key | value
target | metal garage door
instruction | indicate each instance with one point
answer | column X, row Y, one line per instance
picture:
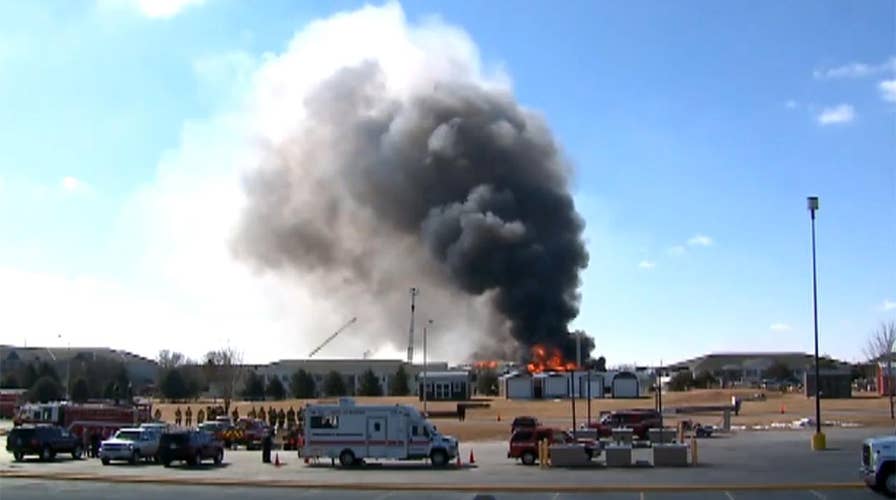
column 625, row 387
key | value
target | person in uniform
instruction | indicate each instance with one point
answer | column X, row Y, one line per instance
column 266, row 445
column 251, row 413
column 236, row 414
column 95, row 444
column 281, row 418
column 157, row 415
column 177, row 416
column 290, row 418
column 189, row 415
column 272, row 416
column 200, row 416
column 261, row 415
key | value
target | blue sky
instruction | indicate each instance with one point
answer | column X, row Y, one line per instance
column 696, row 130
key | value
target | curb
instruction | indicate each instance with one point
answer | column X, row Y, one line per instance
column 509, row 488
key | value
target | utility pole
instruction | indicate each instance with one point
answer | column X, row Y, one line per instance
column 414, row 292
column 424, row 366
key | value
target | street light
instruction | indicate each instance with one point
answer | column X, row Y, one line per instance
column 818, row 440
column 428, row 323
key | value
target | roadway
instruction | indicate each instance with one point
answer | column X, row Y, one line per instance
column 28, row 489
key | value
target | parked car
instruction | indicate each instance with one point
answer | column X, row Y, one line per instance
column 524, row 423
column 639, row 421
column 879, row 464
column 191, row 447
column 45, row 441
column 524, row 443
column 131, row 445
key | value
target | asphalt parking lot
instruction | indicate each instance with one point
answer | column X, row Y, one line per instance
column 22, row 489
column 733, row 467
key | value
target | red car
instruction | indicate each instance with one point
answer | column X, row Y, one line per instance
column 524, row 443
column 639, row 421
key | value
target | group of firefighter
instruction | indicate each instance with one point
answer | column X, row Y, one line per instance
column 276, row 419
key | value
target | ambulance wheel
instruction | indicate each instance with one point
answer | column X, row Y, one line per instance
column 347, row 458
column 439, row 458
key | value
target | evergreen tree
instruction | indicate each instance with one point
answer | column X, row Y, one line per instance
column 370, row 384
column 398, row 386
column 302, row 385
column 334, row 384
column 275, row 389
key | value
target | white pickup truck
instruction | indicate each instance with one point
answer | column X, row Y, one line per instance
column 879, row 464
column 131, row 445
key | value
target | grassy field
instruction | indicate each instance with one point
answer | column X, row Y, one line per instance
column 494, row 422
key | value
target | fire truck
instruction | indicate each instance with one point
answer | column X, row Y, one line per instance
column 88, row 419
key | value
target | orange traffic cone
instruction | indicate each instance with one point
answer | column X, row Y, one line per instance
column 459, row 464
column 472, row 458
column 782, row 409
column 499, row 417
column 307, row 461
column 276, row 460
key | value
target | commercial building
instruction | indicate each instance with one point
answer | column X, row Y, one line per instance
column 749, row 368
column 142, row 371
column 453, row 385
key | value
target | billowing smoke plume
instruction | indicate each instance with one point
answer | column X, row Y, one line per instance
column 451, row 183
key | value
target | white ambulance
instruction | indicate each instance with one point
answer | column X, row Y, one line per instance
column 353, row 433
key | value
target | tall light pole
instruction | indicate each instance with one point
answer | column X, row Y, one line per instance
column 414, row 292
column 818, row 440
column 428, row 323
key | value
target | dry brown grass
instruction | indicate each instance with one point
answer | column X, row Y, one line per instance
column 484, row 424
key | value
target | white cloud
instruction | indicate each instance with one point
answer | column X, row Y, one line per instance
column 647, row 264
column 842, row 113
column 780, row 327
column 154, row 9
column 700, row 240
column 888, row 90
column 676, row 250
column 888, row 305
column 856, row 70
column 72, row 185
column 183, row 288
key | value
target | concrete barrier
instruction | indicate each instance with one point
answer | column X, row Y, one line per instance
column 670, row 455
column 568, row 455
column 661, row 436
column 618, row 455
column 623, row 436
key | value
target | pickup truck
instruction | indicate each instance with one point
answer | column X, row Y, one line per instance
column 524, row 443
column 131, row 445
column 879, row 464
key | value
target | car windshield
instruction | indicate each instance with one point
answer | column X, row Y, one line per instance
column 128, row 435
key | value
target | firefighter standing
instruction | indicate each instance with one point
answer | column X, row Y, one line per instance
column 95, row 444
column 158, row 415
column 200, row 416
column 261, row 415
column 290, row 418
column 281, row 418
column 251, row 413
column 189, row 415
column 272, row 416
column 236, row 414
column 177, row 416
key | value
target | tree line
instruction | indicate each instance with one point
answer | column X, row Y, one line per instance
column 86, row 378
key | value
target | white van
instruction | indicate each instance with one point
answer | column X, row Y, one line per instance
column 353, row 432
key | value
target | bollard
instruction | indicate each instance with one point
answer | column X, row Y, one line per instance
column 694, row 449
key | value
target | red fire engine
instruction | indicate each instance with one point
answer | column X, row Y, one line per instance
column 88, row 418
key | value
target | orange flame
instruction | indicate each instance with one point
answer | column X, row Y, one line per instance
column 485, row 365
column 549, row 359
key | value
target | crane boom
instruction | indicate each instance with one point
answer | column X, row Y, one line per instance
column 333, row 336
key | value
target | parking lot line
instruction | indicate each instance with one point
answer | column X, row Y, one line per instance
column 818, row 495
column 729, row 495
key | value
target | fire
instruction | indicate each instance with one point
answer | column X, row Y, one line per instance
column 549, row 359
column 485, row 365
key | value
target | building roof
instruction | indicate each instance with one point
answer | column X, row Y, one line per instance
column 747, row 360
column 446, row 374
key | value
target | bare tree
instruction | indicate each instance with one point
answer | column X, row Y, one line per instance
column 223, row 370
column 170, row 359
column 880, row 345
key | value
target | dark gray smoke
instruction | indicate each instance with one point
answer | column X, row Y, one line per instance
column 457, row 186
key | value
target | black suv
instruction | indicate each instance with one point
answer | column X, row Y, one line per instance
column 45, row 441
column 191, row 447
